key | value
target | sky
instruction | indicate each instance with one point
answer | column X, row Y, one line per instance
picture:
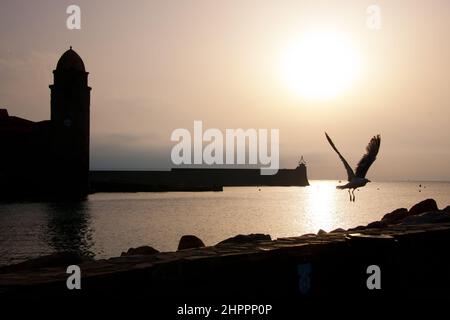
column 155, row 66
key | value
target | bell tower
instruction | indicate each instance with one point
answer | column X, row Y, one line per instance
column 70, row 127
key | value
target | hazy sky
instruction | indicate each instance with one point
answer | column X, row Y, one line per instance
column 159, row 65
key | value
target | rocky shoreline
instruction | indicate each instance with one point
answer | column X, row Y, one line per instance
column 415, row 238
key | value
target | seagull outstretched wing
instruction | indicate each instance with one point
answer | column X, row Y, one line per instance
column 370, row 156
column 350, row 173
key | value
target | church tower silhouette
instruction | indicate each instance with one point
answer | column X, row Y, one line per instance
column 70, row 127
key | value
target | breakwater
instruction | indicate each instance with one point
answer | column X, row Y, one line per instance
column 192, row 179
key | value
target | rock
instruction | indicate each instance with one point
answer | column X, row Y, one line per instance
column 321, row 232
column 358, row 228
column 48, row 261
column 308, row 235
column 140, row 251
column 395, row 216
column 423, row 206
column 249, row 238
column 428, row 217
column 190, row 242
column 338, row 230
column 377, row 225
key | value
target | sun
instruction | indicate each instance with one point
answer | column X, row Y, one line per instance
column 320, row 65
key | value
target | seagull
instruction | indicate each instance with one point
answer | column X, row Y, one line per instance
column 357, row 178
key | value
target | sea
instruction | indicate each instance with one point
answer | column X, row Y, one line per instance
column 107, row 224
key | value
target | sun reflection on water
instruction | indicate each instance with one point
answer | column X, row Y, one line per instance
column 321, row 204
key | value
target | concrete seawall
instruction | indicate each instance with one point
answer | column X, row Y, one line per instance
column 414, row 261
column 191, row 179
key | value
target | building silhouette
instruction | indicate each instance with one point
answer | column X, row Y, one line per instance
column 50, row 159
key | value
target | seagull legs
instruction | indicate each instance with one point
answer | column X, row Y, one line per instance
column 351, row 193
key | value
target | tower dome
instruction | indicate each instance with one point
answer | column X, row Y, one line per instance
column 70, row 60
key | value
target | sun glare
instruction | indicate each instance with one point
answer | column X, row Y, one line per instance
column 320, row 65
column 321, row 204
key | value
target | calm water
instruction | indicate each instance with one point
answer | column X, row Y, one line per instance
column 107, row 224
